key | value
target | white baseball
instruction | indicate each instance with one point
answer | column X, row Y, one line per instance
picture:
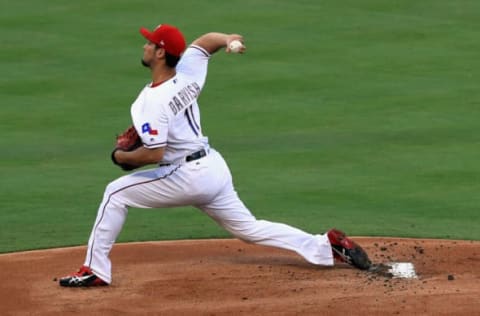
column 235, row 46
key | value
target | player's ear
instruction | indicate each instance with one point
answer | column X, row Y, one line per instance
column 160, row 53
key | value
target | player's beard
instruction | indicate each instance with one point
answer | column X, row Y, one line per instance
column 146, row 64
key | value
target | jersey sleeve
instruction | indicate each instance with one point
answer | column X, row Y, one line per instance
column 153, row 132
column 194, row 63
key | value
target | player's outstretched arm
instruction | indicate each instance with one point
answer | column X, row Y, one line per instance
column 139, row 157
column 214, row 41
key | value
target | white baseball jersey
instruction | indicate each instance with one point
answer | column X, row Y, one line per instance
column 168, row 114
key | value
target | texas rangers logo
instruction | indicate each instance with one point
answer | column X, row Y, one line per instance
column 147, row 129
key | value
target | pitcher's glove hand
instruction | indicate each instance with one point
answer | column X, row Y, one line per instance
column 127, row 141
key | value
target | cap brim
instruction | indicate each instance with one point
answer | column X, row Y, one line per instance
column 146, row 33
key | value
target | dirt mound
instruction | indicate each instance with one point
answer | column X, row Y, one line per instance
column 229, row 277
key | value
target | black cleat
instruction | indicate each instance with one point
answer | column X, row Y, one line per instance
column 83, row 278
column 346, row 250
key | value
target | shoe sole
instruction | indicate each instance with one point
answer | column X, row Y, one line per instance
column 360, row 258
column 83, row 281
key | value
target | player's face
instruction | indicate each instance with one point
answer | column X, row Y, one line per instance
column 148, row 54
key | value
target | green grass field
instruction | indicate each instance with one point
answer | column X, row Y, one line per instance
column 362, row 115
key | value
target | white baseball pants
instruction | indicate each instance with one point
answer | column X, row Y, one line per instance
column 207, row 184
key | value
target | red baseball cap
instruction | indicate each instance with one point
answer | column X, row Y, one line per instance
column 168, row 37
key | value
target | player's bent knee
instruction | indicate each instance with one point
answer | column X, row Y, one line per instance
column 114, row 187
column 114, row 194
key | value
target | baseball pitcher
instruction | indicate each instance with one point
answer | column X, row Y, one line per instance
column 167, row 134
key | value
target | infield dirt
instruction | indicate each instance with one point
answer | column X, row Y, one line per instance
column 229, row 277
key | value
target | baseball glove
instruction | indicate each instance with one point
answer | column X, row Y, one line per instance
column 127, row 141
